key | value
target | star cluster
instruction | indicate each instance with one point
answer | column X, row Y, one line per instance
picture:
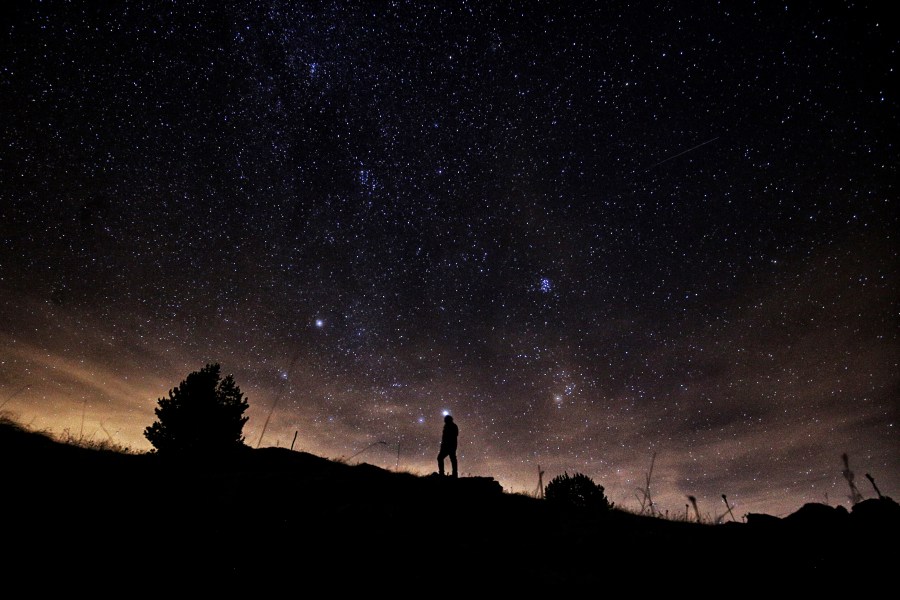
column 595, row 233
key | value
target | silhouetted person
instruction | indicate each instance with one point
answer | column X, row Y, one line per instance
column 448, row 446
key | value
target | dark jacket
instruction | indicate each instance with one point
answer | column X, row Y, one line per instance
column 448, row 438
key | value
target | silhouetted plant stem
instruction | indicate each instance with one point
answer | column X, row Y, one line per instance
column 855, row 496
column 14, row 394
column 105, row 431
column 729, row 508
column 277, row 398
column 696, row 510
column 366, row 448
column 646, row 501
column 83, row 408
column 872, row 481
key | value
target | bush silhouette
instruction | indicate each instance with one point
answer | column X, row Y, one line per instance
column 201, row 417
column 578, row 492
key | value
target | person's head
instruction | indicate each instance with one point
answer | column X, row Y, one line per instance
column 448, row 419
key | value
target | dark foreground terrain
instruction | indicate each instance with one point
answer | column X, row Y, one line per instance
column 272, row 521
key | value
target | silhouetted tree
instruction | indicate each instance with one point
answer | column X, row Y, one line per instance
column 578, row 492
column 202, row 416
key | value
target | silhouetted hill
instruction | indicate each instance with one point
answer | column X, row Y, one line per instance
column 272, row 520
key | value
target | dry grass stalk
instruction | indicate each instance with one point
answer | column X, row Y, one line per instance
column 696, row 510
column 645, row 499
column 855, row 496
column 729, row 508
column 872, row 481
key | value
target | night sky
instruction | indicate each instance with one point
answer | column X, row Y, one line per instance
column 592, row 232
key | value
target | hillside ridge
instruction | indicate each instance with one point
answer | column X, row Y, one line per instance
column 252, row 514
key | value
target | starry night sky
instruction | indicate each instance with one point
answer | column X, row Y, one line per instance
column 592, row 232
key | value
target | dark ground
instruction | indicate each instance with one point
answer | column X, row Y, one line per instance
column 273, row 521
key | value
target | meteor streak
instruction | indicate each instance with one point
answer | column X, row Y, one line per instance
column 681, row 153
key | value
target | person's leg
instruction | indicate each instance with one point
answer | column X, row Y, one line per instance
column 441, row 457
column 453, row 464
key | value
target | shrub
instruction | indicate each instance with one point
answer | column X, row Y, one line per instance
column 577, row 492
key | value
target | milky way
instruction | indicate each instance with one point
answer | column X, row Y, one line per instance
column 598, row 234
